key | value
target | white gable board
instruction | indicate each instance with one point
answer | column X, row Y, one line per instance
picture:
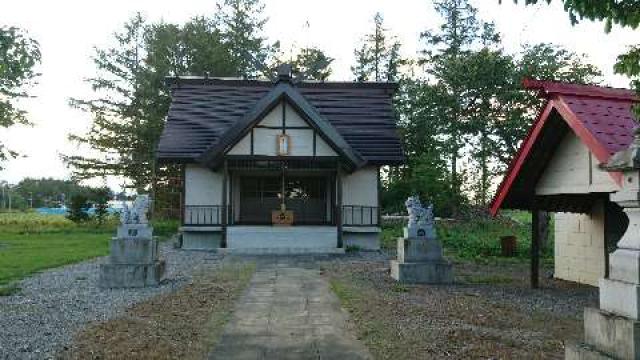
column 574, row 170
column 265, row 136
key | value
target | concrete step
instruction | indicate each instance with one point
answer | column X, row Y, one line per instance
column 282, row 238
column 281, row 251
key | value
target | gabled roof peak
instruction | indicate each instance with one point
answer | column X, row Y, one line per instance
column 549, row 89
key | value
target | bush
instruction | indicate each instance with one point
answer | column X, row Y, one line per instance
column 101, row 205
column 478, row 238
column 165, row 227
column 77, row 209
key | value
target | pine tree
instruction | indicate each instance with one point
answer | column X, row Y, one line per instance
column 241, row 24
column 378, row 58
column 312, row 64
column 446, row 62
column 131, row 99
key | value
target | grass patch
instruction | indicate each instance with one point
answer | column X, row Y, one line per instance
column 31, row 242
column 30, row 253
column 185, row 324
column 435, row 322
column 9, row 290
column 479, row 238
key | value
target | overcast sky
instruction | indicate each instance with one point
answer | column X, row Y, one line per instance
column 67, row 31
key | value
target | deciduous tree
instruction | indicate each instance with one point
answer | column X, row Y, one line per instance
column 19, row 54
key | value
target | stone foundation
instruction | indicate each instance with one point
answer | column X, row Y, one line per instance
column 607, row 336
column 201, row 238
column 430, row 272
column 364, row 238
column 131, row 275
column 134, row 259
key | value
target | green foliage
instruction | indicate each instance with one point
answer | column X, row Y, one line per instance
column 19, row 54
column 131, row 98
column 241, row 24
column 378, row 58
column 312, row 64
column 463, row 122
column 478, row 237
column 77, row 207
column 620, row 12
column 101, row 205
column 49, row 192
column 165, row 228
column 31, row 222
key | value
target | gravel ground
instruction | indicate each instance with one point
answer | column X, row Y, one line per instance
column 51, row 306
column 490, row 312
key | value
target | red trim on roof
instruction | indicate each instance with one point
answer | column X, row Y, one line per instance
column 555, row 93
column 597, row 148
column 549, row 88
column 519, row 159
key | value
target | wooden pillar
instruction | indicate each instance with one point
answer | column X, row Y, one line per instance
column 339, row 205
column 183, row 193
column 535, row 247
column 224, row 209
column 379, row 199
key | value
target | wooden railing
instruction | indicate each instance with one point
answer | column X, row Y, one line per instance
column 203, row 215
column 359, row 215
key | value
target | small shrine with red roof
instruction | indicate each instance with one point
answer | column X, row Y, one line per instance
column 557, row 170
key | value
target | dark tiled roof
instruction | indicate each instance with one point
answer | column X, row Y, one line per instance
column 203, row 110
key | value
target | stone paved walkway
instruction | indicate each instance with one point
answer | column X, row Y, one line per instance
column 288, row 312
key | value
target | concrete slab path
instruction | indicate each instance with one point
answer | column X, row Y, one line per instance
column 288, row 312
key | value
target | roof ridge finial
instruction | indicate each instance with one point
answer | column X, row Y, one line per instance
column 285, row 72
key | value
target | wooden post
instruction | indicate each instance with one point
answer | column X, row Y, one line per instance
column 535, row 248
column 224, row 205
column 545, row 221
column 339, row 205
column 379, row 199
column 183, row 175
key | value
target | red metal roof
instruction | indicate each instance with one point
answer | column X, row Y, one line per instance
column 601, row 117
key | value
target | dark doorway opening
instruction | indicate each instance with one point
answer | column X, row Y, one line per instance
column 308, row 196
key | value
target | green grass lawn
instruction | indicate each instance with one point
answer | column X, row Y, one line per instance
column 24, row 254
column 32, row 242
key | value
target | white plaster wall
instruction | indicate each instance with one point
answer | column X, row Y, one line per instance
column 579, row 246
column 242, row 147
column 273, row 118
column 574, row 170
column 293, row 118
column 265, row 139
column 301, row 142
column 361, row 187
column 202, row 186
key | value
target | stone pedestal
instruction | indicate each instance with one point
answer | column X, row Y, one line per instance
column 613, row 331
column 420, row 261
column 133, row 261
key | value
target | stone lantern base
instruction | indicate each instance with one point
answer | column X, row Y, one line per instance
column 420, row 261
column 133, row 261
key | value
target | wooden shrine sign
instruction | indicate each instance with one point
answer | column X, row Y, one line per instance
column 282, row 217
